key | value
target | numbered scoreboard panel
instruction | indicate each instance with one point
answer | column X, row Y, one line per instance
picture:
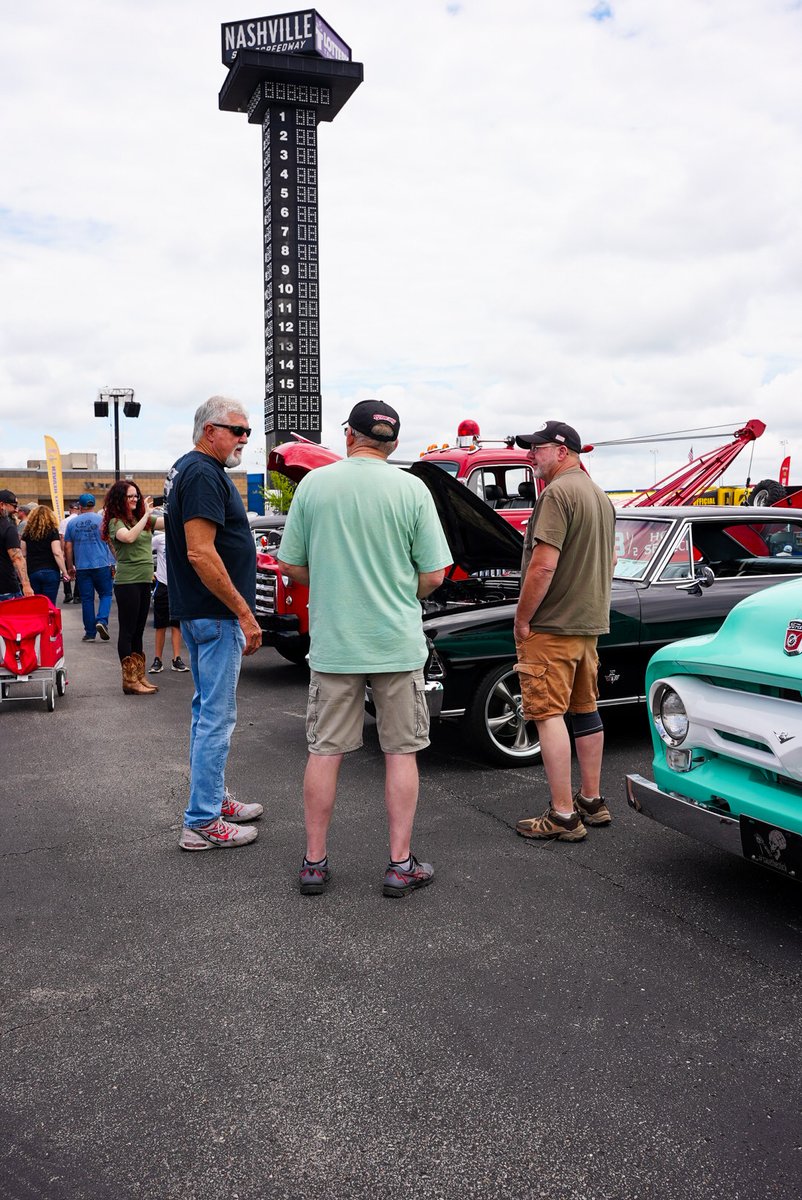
column 292, row 317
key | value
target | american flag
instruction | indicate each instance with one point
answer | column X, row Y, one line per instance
column 690, row 454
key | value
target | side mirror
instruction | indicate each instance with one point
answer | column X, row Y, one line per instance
column 703, row 578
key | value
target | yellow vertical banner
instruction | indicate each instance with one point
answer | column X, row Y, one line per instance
column 53, row 456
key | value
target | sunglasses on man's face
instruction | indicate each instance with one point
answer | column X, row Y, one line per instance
column 237, row 430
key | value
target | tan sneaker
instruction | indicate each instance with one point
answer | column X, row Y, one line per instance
column 592, row 812
column 553, row 825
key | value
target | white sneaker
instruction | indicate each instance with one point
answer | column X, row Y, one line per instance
column 232, row 810
column 216, row 835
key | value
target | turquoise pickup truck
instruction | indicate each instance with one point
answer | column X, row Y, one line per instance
column 726, row 720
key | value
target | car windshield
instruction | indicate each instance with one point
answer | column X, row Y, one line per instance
column 637, row 540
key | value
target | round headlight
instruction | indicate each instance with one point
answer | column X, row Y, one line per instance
column 670, row 716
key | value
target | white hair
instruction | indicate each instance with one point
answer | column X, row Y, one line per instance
column 217, row 408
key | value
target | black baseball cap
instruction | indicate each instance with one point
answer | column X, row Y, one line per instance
column 368, row 413
column 7, row 497
column 552, row 433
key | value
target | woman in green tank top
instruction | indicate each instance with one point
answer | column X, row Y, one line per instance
column 128, row 525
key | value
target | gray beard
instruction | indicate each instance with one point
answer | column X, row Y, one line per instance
column 234, row 459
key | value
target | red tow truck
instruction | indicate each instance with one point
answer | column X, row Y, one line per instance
column 498, row 472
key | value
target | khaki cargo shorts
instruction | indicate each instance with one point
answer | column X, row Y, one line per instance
column 558, row 675
column 335, row 712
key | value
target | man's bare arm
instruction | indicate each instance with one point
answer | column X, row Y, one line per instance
column 429, row 581
column 539, row 575
column 18, row 559
column 296, row 574
column 210, row 569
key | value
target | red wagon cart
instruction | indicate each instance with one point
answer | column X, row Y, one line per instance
column 31, row 651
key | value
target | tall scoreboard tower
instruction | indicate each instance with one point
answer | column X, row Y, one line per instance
column 288, row 73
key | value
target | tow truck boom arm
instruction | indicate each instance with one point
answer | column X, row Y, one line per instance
column 685, row 484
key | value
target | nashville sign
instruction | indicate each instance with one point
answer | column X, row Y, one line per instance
column 290, row 33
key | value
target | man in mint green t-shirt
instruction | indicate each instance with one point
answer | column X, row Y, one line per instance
column 366, row 539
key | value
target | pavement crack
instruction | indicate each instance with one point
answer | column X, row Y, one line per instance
column 49, row 1016
column 34, row 850
column 486, row 812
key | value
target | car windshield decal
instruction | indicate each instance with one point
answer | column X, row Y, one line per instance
column 637, row 542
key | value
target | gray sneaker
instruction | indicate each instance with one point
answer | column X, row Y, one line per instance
column 216, row 835
column 235, row 810
column 314, row 878
column 400, row 882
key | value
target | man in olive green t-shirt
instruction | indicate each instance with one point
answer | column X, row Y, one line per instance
column 566, row 574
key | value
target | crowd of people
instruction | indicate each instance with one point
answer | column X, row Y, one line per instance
column 377, row 561
column 101, row 556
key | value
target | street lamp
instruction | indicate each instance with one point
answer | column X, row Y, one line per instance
column 130, row 409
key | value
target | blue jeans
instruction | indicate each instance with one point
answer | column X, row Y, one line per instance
column 46, row 583
column 215, row 646
column 89, row 581
column 10, row 596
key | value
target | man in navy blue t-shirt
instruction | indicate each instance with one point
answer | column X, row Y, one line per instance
column 211, row 582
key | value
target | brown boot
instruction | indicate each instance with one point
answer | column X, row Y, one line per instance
column 140, row 673
column 131, row 684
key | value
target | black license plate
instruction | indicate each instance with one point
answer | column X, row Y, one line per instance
column 772, row 847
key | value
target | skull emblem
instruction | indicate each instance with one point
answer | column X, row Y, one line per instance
column 777, row 844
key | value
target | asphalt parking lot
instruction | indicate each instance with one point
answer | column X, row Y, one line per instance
column 609, row 1020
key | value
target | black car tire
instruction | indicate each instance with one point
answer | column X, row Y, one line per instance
column 766, row 493
column 494, row 722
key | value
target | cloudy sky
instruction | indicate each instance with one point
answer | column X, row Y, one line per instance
column 529, row 209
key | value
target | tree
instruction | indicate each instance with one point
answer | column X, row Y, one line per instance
column 279, row 492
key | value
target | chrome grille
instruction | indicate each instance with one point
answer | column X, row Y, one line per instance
column 265, row 593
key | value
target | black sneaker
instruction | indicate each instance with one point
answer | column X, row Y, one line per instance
column 156, row 667
column 398, row 881
column 87, row 638
column 314, row 877
column 178, row 664
column 103, row 630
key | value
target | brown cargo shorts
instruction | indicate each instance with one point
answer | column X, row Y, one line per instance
column 335, row 712
column 558, row 674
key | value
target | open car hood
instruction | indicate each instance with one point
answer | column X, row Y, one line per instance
column 298, row 458
column 478, row 538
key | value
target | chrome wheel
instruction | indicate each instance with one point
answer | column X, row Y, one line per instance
column 496, row 720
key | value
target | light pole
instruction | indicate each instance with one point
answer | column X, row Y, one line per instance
column 654, row 454
column 130, row 409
